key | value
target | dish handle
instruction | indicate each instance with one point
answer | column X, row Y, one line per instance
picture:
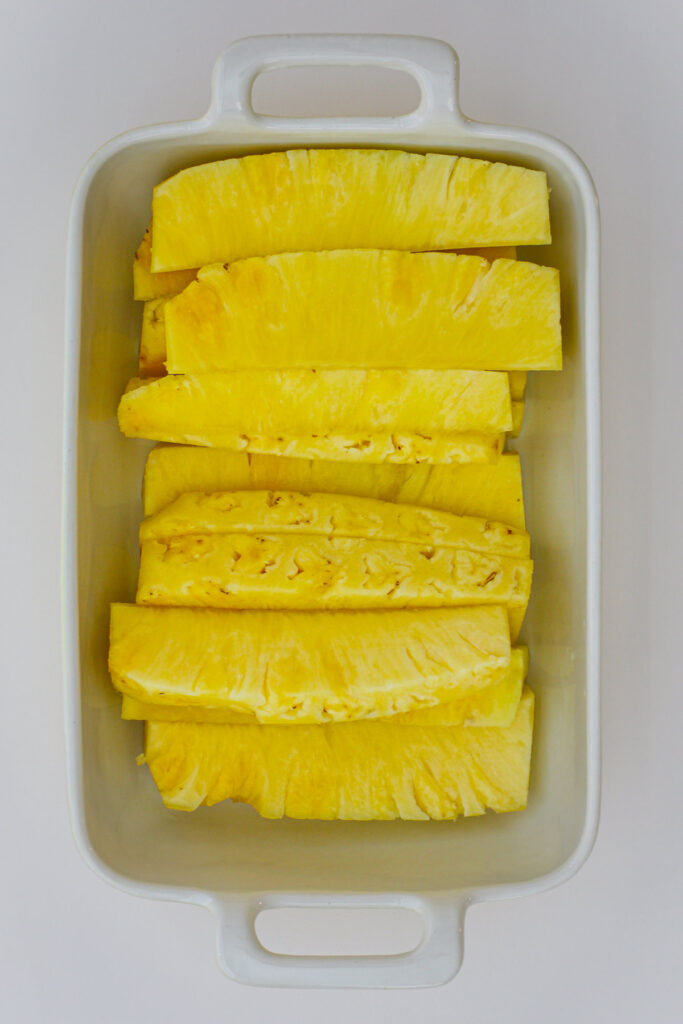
column 431, row 62
column 434, row 961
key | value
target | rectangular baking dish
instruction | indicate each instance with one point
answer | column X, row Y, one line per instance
column 226, row 857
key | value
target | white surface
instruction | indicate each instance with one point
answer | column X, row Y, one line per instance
column 602, row 948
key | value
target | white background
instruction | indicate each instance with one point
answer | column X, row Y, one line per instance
column 606, row 78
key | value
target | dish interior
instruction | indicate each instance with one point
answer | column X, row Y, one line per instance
column 122, row 822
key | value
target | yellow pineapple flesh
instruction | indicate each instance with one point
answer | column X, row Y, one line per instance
column 136, row 710
column 488, row 491
column 152, row 353
column 307, row 667
column 329, row 515
column 385, row 395
column 367, row 308
column 147, row 285
column 313, row 200
column 306, row 572
column 517, row 419
column 494, row 705
column 358, row 771
column 517, row 382
column 436, row 416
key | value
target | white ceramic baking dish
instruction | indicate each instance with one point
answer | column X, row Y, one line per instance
column 226, row 857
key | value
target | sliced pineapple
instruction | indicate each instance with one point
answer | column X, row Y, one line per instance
column 329, row 515
column 147, row 285
column 292, row 571
column 142, row 711
column 312, row 200
column 517, row 419
column 367, row 308
column 359, row 771
column 517, row 381
column 487, row 491
column 360, row 415
column 162, row 286
column 306, row 666
column 152, row 355
column 491, row 491
column 494, row 705
column 516, row 614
